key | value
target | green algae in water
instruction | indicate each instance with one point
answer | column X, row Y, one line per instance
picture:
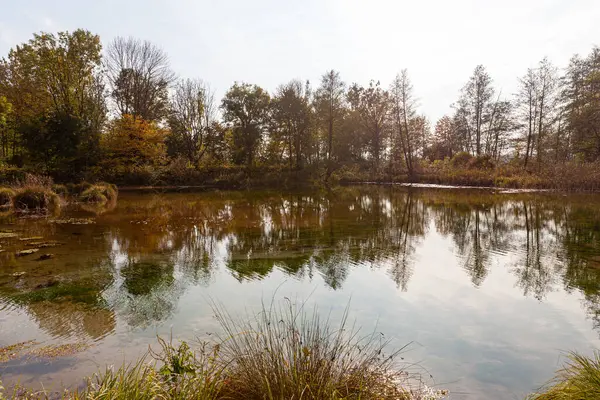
column 142, row 277
column 60, row 292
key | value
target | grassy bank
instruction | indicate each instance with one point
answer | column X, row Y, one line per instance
column 283, row 352
column 461, row 170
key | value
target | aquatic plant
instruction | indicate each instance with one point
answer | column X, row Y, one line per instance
column 579, row 379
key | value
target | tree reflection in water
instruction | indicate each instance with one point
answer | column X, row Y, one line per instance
column 137, row 260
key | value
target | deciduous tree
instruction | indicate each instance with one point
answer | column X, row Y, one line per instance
column 246, row 109
column 139, row 75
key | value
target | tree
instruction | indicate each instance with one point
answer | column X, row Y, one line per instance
column 246, row 109
column 500, row 124
column 139, row 76
column 133, row 142
column 191, row 118
column 55, row 80
column 292, row 116
column 372, row 105
column 536, row 102
column 420, row 130
column 330, row 109
column 403, row 110
column 582, row 105
column 527, row 103
column 546, row 93
column 474, row 107
column 444, row 139
column 5, row 114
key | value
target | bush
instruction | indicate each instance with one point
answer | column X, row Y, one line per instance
column 481, row 162
column 36, row 199
column 461, row 159
column 6, row 196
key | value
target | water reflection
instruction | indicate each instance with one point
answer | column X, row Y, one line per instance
column 136, row 261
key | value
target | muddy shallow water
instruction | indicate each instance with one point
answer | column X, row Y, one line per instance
column 488, row 286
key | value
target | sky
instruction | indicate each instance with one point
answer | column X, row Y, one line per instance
column 269, row 42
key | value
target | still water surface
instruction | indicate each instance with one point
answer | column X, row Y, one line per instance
column 488, row 286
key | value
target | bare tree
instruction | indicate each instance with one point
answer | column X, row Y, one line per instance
column 139, row 75
column 474, row 105
column 403, row 110
column 547, row 81
column 527, row 103
column 537, row 101
column 192, row 113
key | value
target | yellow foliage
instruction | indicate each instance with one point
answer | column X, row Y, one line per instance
column 133, row 141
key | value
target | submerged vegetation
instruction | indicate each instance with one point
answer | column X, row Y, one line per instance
column 283, row 352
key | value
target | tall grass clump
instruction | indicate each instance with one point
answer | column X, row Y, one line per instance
column 285, row 352
column 6, row 196
column 280, row 353
column 579, row 379
column 37, row 199
column 100, row 193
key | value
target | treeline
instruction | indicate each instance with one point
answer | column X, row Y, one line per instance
column 71, row 109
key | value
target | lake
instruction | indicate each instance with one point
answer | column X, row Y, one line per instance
column 487, row 287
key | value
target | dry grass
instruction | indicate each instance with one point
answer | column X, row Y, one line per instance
column 100, row 194
column 6, row 196
column 37, row 199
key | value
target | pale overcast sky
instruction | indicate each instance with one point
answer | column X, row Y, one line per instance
column 269, row 42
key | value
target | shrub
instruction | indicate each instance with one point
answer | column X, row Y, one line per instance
column 481, row 162
column 6, row 196
column 461, row 159
column 36, row 199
